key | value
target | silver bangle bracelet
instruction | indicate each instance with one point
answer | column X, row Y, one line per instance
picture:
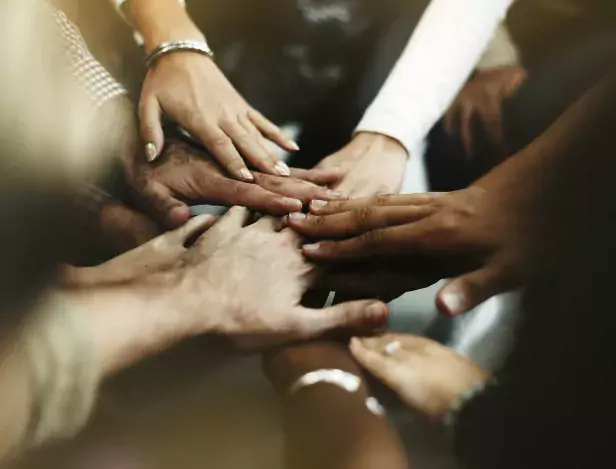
column 341, row 379
column 175, row 46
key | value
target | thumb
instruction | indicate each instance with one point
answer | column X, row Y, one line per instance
column 470, row 290
column 151, row 128
column 350, row 314
column 167, row 210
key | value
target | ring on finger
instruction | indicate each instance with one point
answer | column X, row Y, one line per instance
column 391, row 348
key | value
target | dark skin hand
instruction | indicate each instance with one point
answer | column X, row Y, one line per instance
column 415, row 240
column 480, row 231
column 328, row 427
column 482, row 100
column 185, row 175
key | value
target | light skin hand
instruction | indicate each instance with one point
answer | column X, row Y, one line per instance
column 185, row 174
column 259, row 276
column 428, row 377
column 157, row 255
column 190, row 89
column 203, row 102
column 372, row 164
column 235, row 280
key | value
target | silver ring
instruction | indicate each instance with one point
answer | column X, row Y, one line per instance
column 391, row 347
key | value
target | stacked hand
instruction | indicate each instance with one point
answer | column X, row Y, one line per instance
column 370, row 163
column 415, row 240
column 190, row 89
column 235, row 279
column 184, row 174
column 427, row 376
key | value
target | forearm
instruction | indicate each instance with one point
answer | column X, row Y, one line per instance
column 328, row 427
column 130, row 322
column 440, row 55
column 159, row 21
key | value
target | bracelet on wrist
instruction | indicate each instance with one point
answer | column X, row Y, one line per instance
column 165, row 48
column 341, row 379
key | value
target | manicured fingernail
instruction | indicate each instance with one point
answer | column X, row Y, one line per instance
column 337, row 194
column 282, row 169
column 318, row 203
column 452, row 301
column 150, row 151
column 311, row 247
column 292, row 145
column 297, row 216
column 247, row 175
column 295, row 202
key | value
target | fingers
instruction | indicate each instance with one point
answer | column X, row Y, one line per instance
column 269, row 224
column 271, row 131
column 233, row 221
column 194, row 227
column 321, row 176
column 364, row 313
column 322, row 207
column 222, row 148
column 296, row 188
column 466, row 128
column 385, row 242
column 151, row 127
column 247, row 140
column 166, row 209
column 343, row 225
column 470, row 290
column 229, row 192
column 389, row 370
column 450, row 117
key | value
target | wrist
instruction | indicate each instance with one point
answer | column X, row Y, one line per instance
column 162, row 21
column 285, row 366
column 130, row 322
column 379, row 143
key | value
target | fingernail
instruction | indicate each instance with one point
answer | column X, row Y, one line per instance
column 318, row 203
column 452, row 301
column 377, row 311
column 297, row 216
column 311, row 247
column 247, row 175
column 295, row 202
column 282, row 169
column 150, row 151
column 337, row 194
column 293, row 146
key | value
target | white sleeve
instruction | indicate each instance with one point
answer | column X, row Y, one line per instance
column 440, row 55
column 118, row 5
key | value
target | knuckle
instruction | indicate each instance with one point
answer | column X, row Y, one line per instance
column 372, row 238
column 381, row 199
column 219, row 141
column 363, row 215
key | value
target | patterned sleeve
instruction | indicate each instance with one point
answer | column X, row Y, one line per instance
column 97, row 82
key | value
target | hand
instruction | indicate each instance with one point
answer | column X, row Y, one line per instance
column 482, row 98
column 371, row 163
column 471, row 230
column 185, row 174
column 190, row 89
column 250, row 280
column 427, row 376
column 157, row 255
